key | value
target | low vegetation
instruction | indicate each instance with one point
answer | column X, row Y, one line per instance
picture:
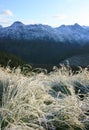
column 10, row 60
column 37, row 100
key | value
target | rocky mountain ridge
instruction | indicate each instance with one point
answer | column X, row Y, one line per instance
column 70, row 33
column 43, row 44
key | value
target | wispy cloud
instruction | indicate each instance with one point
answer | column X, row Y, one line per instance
column 5, row 17
column 60, row 16
column 6, row 13
column 4, row 21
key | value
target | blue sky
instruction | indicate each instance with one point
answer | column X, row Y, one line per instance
column 51, row 12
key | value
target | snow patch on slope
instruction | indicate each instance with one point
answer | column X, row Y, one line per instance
column 65, row 33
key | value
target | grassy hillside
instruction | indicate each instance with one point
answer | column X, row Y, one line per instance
column 55, row 101
column 45, row 51
column 8, row 59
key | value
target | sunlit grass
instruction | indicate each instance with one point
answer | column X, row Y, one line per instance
column 37, row 101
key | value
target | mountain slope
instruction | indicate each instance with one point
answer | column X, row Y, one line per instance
column 78, row 60
column 70, row 33
column 7, row 59
column 74, row 33
column 43, row 44
column 20, row 31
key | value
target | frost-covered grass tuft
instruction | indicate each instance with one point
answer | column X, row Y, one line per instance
column 55, row 101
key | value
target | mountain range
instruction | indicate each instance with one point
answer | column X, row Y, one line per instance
column 63, row 33
column 43, row 44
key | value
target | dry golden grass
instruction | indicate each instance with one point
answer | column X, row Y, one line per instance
column 55, row 101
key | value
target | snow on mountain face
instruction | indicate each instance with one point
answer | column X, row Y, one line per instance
column 73, row 33
column 17, row 24
column 70, row 33
column 28, row 32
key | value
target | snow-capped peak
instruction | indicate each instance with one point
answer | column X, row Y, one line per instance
column 76, row 25
column 17, row 23
column 64, row 33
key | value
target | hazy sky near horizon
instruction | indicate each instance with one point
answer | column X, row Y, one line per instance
column 50, row 12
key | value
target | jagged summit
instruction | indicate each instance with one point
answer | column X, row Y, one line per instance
column 76, row 25
column 64, row 33
column 17, row 23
